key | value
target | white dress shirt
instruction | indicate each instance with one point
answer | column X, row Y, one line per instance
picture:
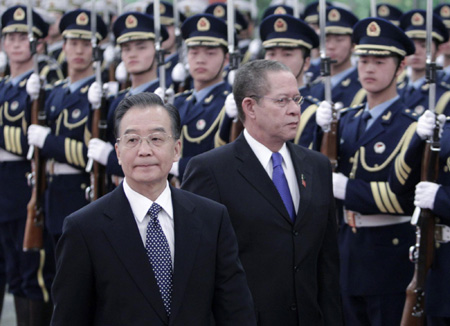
column 140, row 206
column 264, row 156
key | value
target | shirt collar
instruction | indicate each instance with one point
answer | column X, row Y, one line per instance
column 14, row 81
column 336, row 79
column 74, row 86
column 378, row 110
column 141, row 204
column 143, row 87
column 263, row 154
column 200, row 95
column 416, row 84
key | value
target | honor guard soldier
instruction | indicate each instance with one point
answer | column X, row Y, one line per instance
column 311, row 17
column 135, row 34
column 202, row 108
column 375, row 233
column 443, row 11
column 339, row 47
column 64, row 142
column 169, row 46
column 290, row 40
column 28, row 274
column 414, row 90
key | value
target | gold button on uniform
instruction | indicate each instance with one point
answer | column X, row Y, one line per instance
column 395, row 241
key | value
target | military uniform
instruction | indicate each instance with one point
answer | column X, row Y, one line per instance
column 28, row 274
column 375, row 233
column 346, row 87
column 204, row 122
column 69, row 118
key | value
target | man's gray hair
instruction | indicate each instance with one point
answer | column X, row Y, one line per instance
column 251, row 80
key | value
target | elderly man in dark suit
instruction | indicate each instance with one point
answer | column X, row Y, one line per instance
column 146, row 253
column 280, row 200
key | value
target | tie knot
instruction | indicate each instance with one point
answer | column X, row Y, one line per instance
column 366, row 116
column 276, row 159
column 154, row 211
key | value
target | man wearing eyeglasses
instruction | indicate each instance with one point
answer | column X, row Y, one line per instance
column 147, row 253
column 280, row 200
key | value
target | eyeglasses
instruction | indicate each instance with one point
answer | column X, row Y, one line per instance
column 283, row 101
column 157, row 139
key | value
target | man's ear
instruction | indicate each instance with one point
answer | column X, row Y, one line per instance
column 248, row 106
column 116, row 146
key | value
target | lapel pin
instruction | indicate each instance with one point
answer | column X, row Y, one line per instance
column 303, row 181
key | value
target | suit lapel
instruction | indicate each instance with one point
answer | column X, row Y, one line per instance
column 187, row 238
column 125, row 239
column 303, row 172
column 252, row 171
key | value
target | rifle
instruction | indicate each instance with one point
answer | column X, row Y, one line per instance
column 34, row 227
column 97, row 171
column 237, row 126
column 422, row 253
column 158, row 46
column 329, row 145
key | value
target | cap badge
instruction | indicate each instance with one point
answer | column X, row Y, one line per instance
column 19, row 14
column 131, row 22
column 373, row 29
column 219, row 11
column 379, row 148
column 417, row 19
column 203, row 25
column 162, row 8
column 82, row 19
column 279, row 11
column 445, row 11
column 280, row 25
column 334, row 15
column 383, row 11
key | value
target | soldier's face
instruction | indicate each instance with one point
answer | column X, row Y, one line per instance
column 376, row 74
column 78, row 54
column 339, row 47
column 206, row 64
column 445, row 49
column 169, row 44
column 293, row 58
column 138, row 56
column 418, row 60
column 17, row 47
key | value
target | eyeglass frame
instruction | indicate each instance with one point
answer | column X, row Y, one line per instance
column 147, row 138
column 275, row 100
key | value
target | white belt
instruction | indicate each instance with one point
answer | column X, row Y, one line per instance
column 6, row 156
column 374, row 220
column 442, row 233
column 56, row 168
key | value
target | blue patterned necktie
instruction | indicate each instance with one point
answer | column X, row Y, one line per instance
column 279, row 179
column 159, row 255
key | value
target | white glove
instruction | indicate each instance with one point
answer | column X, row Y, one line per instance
column 231, row 107
column 95, row 95
column 112, row 88
column 169, row 97
column 121, row 73
column 33, row 86
column 99, row 150
column 426, row 194
column 231, row 75
column 254, row 47
column 174, row 170
column 109, row 54
column 37, row 134
column 427, row 122
column 324, row 115
column 179, row 73
column 3, row 61
column 339, row 185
